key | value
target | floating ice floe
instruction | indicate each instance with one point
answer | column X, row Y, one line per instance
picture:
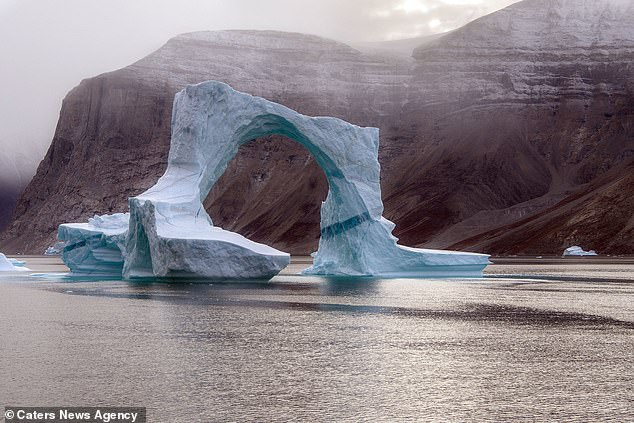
column 578, row 251
column 55, row 249
column 11, row 265
column 169, row 234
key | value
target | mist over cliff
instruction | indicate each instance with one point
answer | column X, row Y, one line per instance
column 515, row 123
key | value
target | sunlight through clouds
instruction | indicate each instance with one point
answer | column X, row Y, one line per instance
column 411, row 6
column 465, row 2
column 434, row 23
column 416, row 18
column 424, row 6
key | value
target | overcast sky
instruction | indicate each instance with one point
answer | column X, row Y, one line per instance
column 48, row 46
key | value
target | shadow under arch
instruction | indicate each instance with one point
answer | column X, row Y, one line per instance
column 271, row 192
column 210, row 122
column 274, row 124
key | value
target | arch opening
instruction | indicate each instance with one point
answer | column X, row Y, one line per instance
column 271, row 192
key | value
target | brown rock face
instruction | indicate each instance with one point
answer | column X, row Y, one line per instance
column 483, row 128
column 600, row 215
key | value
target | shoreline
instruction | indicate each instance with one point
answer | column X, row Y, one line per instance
column 554, row 260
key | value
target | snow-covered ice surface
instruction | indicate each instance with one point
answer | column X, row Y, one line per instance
column 171, row 235
column 578, row 251
column 11, row 265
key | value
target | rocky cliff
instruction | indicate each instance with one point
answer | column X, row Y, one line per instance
column 541, row 102
column 514, row 115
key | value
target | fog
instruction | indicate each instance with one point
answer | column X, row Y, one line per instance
column 47, row 47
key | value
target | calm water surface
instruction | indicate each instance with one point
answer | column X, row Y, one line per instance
column 525, row 344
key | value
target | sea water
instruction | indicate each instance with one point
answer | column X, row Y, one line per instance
column 524, row 344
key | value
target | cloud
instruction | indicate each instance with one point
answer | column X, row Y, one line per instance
column 49, row 46
column 6, row 4
column 411, row 18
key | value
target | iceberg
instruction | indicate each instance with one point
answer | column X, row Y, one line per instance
column 578, row 251
column 55, row 249
column 169, row 233
column 16, row 262
column 11, row 265
column 172, row 241
column 95, row 248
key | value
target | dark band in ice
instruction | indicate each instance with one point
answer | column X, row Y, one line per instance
column 346, row 225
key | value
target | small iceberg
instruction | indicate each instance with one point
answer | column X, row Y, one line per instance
column 11, row 265
column 16, row 262
column 55, row 249
column 578, row 251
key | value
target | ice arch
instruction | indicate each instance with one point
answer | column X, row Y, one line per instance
column 170, row 234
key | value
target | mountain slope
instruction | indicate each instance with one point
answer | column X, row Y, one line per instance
column 598, row 217
column 483, row 127
column 116, row 127
column 549, row 82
